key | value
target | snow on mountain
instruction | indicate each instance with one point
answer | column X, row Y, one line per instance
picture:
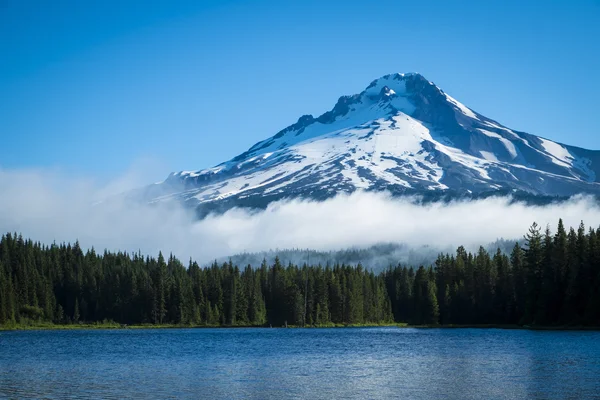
column 402, row 134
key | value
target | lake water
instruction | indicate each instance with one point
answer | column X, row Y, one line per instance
column 362, row 363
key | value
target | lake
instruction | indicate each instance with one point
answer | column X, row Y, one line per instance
column 348, row 363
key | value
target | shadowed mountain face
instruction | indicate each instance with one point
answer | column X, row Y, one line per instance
column 402, row 134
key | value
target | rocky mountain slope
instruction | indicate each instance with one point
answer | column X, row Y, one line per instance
column 402, row 134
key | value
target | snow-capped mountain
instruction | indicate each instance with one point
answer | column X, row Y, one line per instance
column 402, row 134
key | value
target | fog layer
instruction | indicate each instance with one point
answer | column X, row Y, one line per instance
column 48, row 206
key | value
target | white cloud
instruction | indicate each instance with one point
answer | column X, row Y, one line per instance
column 48, row 206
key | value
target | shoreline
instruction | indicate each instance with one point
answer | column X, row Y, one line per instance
column 115, row 326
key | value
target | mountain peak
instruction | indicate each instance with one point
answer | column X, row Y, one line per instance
column 409, row 79
column 383, row 89
column 402, row 134
column 398, row 76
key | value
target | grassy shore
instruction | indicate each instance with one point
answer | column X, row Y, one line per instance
column 114, row 325
column 99, row 325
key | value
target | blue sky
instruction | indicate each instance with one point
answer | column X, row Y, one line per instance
column 93, row 87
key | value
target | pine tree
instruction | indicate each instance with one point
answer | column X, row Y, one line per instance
column 432, row 309
column 592, row 310
column 241, row 305
column 3, row 296
column 544, row 314
column 519, row 277
column 534, row 258
column 160, row 291
column 354, row 299
column 556, row 280
column 570, row 312
column 258, row 311
column 504, row 299
column 420, row 291
column 448, row 298
column 60, row 314
column 76, row 314
column 560, row 266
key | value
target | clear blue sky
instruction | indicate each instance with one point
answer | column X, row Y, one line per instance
column 92, row 86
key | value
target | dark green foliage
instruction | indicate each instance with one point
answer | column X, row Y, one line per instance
column 552, row 280
column 61, row 284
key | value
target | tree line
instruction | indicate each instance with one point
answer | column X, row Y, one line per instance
column 553, row 279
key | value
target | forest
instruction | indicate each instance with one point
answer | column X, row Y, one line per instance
column 553, row 279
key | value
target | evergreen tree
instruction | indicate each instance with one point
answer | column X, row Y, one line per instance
column 560, row 265
column 570, row 312
column 258, row 311
column 555, row 280
column 544, row 313
column 432, row 312
column 76, row 314
column 160, row 290
column 504, row 295
column 533, row 261
column 519, row 276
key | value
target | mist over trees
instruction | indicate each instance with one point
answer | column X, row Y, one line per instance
column 377, row 257
column 552, row 279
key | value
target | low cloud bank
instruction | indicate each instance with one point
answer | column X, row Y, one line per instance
column 48, row 206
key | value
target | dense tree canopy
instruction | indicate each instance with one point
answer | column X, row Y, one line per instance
column 554, row 279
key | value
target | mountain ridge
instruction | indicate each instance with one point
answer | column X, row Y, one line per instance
column 402, row 134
